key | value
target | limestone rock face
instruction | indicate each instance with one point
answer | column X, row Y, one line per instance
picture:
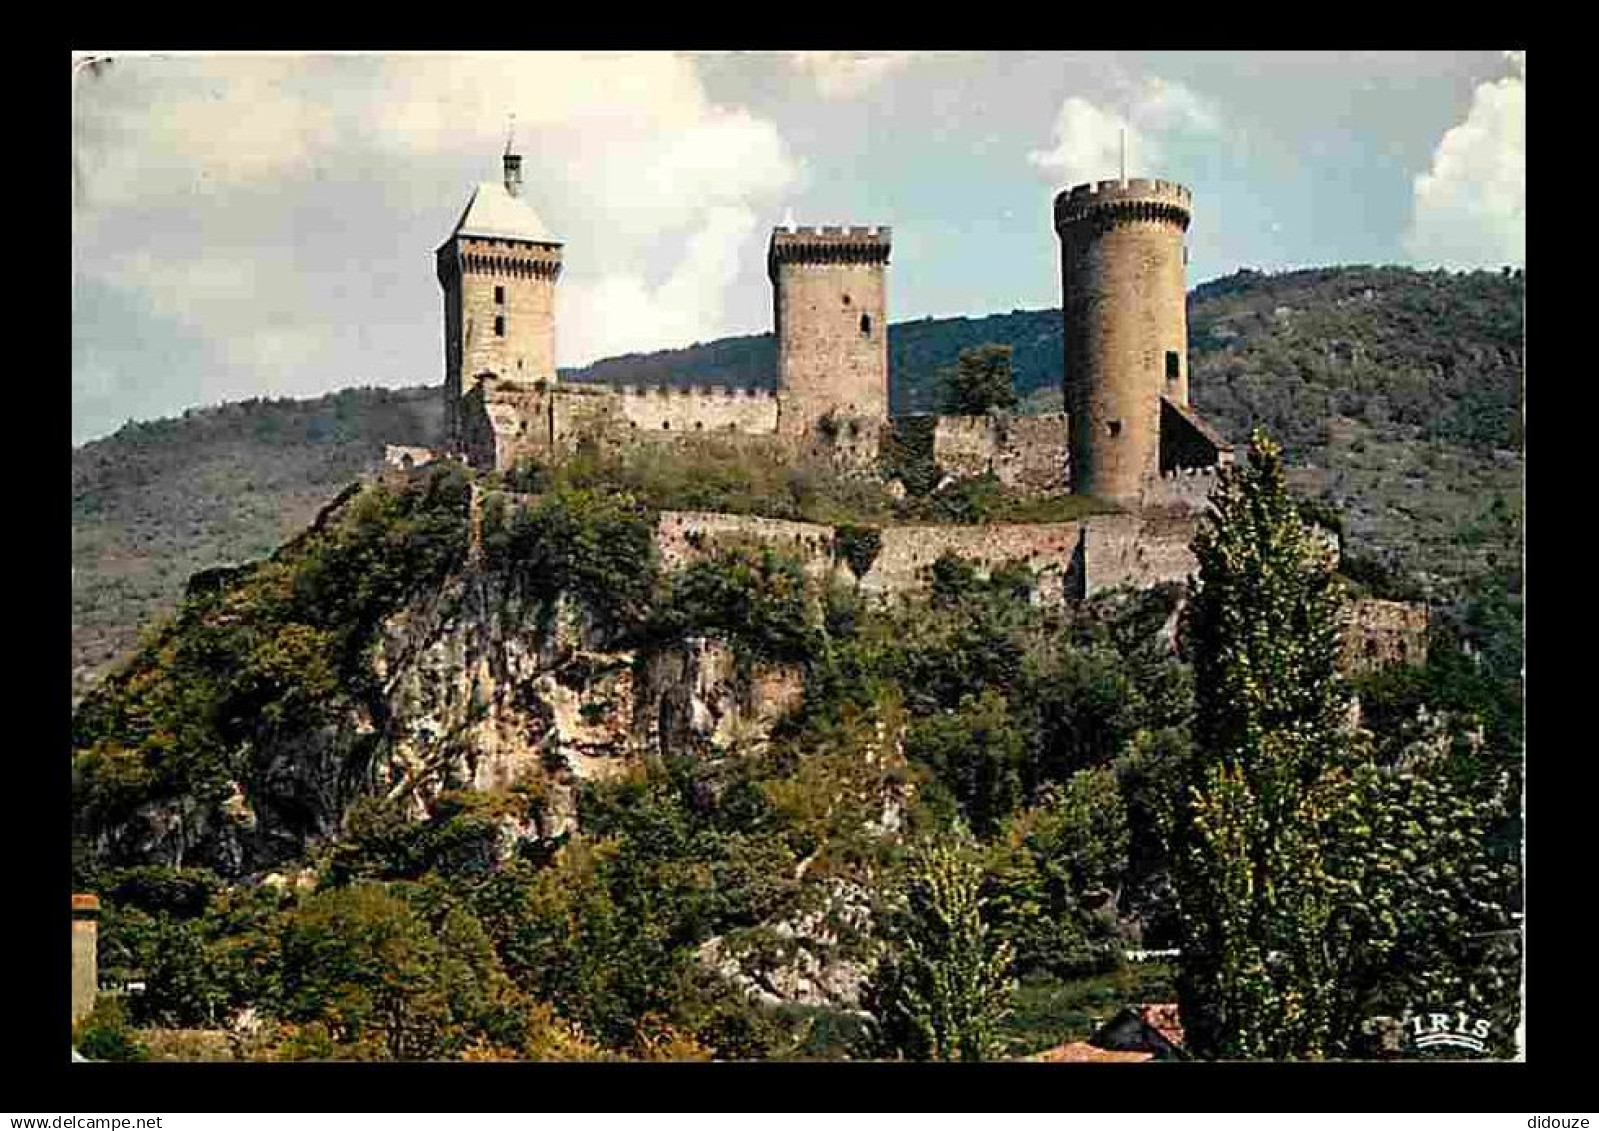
column 701, row 696
column 472, row 687
column 811, row 958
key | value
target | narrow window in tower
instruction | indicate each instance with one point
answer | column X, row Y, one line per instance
column 866, row 323
column 1114, row 427
column 499, row 295
column 499, row 325
column 846, row 300
column 1171, row 366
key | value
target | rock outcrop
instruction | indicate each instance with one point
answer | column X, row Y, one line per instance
column 472, row 687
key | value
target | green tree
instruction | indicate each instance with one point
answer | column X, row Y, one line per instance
column 980, row 382
column 368, row 966
column 105, row 1033
column 1249, row 864
column 943, row 985
column 1318, row 889
column 1056, row 871
column 978, row 753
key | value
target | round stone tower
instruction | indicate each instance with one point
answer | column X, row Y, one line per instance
column 1124, row 295
column 498, row 270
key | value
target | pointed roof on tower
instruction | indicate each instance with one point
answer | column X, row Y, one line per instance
column 495, row 214
column 497, row 211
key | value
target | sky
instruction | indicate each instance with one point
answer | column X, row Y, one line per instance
column 263, row 225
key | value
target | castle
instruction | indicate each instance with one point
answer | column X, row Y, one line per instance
column 1130, row 436
column 1122, row 267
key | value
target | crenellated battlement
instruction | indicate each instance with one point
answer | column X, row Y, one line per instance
column 1138, row 198
column 835, row 231
column 733, row 393
column 508, row 259
column 829, row 244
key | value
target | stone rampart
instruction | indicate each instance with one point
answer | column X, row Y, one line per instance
column 908, row 552
column 1378, row 633
column 502, row 422
column 405, row 456
column 705, row 409
column 684, row 537
column 1024, row 452
column 904, row 558
column 1137, row 551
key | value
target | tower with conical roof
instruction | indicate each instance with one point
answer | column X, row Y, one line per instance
column 498, row 270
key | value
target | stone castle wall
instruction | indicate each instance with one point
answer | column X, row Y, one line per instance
column 1180, row 490
column 504, row 422
column 406, row 456
column 1124, row 304
column 1071, row 560
column 1024, row 452
column 908, row 553
column 830, row 307
column 1378, row 633
column 684, row 537
column 718, row 409
column 1137, row 551
column 903, row 561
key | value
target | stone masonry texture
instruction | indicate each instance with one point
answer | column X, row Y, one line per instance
column 830, row 305
column 499, row 313
column 1025, row 452
column 85, row 959
column 1378, row 633
column 1126, row 327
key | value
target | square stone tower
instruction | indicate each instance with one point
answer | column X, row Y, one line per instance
column 830, row 300
column 498, row 270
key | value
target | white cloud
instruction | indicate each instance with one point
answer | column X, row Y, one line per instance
column 622, row 313
column 1088, row 138
column 215, row 192
column 846, row 74
column 151, row 127
column 1470, row 206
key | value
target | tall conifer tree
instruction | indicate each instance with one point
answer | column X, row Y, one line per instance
column 1250, row 866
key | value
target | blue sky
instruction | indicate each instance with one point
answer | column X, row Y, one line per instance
column 263, row 225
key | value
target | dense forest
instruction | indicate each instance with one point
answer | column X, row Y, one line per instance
column 1396, row 395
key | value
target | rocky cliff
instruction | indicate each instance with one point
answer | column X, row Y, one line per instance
column 471, row 680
